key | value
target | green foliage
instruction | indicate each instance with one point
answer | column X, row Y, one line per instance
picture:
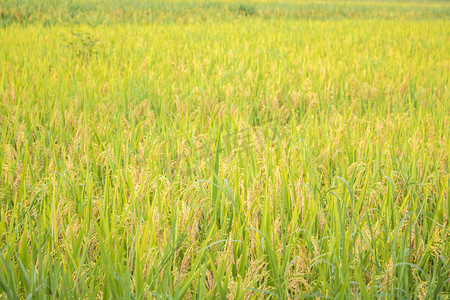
column 82, row 45
column 245, row 9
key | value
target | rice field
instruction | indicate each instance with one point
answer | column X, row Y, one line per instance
column 224, row 150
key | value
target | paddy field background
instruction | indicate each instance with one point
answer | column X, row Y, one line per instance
column 240, row 150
